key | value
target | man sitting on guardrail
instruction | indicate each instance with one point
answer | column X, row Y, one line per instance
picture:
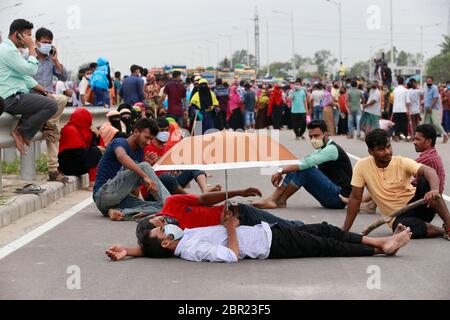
column 16, row 82
column 122, row 171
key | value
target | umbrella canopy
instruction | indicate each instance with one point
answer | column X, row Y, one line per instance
column 226, row 150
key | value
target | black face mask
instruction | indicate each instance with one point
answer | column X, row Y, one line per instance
column 126, row 120
column 116, row 124
column 429, row 85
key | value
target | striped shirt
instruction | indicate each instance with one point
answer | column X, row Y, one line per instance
column 432, row 159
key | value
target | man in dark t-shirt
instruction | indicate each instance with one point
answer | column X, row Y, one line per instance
column 176, row 92
column 121, row 172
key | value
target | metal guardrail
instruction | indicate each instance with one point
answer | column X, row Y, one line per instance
column 28, row 162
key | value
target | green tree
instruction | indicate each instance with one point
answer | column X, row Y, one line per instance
column 438, row 67
column 359, row 69
column 280, row 69
column 402, row 59
column 324, row 59
column 445, row 46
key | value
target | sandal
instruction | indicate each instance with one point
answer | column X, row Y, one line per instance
column 30, row 189
column 57, row 177
column 446, row 232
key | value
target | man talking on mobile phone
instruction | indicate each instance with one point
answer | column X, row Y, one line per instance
column 16, row 82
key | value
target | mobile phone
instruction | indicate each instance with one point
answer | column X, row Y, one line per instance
column 19, row 36
column 53, row 51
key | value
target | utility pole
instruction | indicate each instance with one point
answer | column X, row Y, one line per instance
column 268, row 50
column 392, row 35
column 257, row 56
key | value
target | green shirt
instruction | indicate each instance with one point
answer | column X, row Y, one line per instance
column 329, row 153
column 355, row 96
column 298, row 98
column 15, row 72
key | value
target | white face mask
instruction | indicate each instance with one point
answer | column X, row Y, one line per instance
column 163, row 136
column 25, row 53
column 317, row 143
column 45, row 48
column 174, row 230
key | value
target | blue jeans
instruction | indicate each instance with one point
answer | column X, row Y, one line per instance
column 251, row 216
column 172, row 183
column 446, row 120
column 116, row 193
column 101, row 97
column 352, row 117
column 318, row 185
column 336, row 115
column 317, row 113
column 249, row 118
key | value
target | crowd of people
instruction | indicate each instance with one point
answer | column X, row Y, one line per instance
column 119, row 155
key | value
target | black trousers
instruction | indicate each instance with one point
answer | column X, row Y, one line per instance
column 418, row 218
column 316, row 240
column 401, row 124
column 277, row 117
column 298, row 121
column 76, row 162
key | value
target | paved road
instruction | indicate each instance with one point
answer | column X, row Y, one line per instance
column 39, row 270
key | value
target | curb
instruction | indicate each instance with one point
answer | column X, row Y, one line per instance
column 24, row 205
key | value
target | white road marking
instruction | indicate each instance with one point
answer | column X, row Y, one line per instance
column 36, row 233
column 446, row 197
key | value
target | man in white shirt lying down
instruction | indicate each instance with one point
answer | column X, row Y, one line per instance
column 230, row 242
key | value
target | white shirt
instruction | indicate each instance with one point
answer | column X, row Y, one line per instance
column 317, row 96
column 210, row 244
column 61, row 86
column 83, row 86
column 375, row 109
column 401, row 98
column 414, row 98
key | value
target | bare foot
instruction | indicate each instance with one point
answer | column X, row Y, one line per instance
column 18, row 139
column 216, row 188
column 115, row 215
column 398, row 240
column 91, row 186
column 265, row 204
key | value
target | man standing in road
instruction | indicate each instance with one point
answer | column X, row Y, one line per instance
column 432, row 108
column 176, row 92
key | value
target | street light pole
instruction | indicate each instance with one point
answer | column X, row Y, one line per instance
column 339, row 6
column 392, row 35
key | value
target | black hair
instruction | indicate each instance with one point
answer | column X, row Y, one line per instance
column 93, row 66
column 299, row 80
column 145, row 123
column 354, row 83
column 219, row 82
column 318, row 124
column 242, row 83
column 134, row 68
column 377, row 138
column 20, row 25
column 151, row 247
column 247, row 86
column 162, row 122
column 2, row 105
column 410, row 84
column 117, row 74
column 430, row 77
column 44, row 33
column 400, row 80
column 144, row 72
column 428, row 131
column 176, row 74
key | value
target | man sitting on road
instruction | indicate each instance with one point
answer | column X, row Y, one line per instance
column 191, row 211
column 325, row 174
column 122, row 170
column 230, row 243
column 388, row 180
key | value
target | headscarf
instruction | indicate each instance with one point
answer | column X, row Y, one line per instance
column 77, row 132
column 263, row 99
column 234, row 101
column 276, row 99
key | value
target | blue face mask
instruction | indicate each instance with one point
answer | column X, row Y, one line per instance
column 174, row 230
column 45, row 48
column 448, row 87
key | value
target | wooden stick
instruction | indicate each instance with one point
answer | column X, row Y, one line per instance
column 389, row 218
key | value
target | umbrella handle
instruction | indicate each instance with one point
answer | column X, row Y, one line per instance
column 193, row 124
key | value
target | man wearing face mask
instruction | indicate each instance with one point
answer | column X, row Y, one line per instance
column 326, row 174
column 432, row 107
column 49, row 67
column 16, row 83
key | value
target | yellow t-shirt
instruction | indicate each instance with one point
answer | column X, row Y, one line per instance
column 391, row 187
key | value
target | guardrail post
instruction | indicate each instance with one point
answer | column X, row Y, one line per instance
column 28, row 164
column 1, row 172
column 10, row 155
column 38, row 149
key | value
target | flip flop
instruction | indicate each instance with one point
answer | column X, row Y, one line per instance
column 30, row 189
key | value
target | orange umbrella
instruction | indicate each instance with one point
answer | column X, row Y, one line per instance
column 226, row 150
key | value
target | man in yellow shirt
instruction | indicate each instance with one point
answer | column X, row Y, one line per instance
column 388, row 180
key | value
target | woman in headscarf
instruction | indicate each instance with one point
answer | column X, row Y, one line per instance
column 328, row 116
column 262, row 106
column 234, row 112
column 80, row 146
column 114, row 128
column 205, row 102
column 276, row 107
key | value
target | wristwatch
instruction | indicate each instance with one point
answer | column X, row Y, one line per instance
column 280, row 171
